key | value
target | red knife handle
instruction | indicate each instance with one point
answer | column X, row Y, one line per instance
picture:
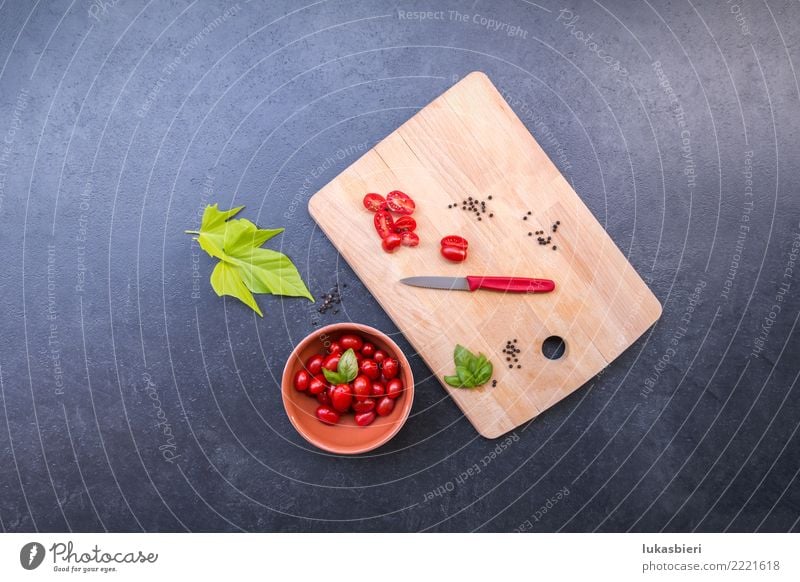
column 511, row 284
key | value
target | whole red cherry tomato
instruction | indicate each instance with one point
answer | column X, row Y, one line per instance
column 332, row 362
column 390, row 367
column 351, row 341
column 409, row 239
column 368, row 350
column 378, row 389
column 454, row 240
column 367, row 405
column 327, row 415
column 379, row 356
column 301, row 380
column 391, row 241
column 317, row 384
column 342, row 397
column 454, row 254
column 370, row 369
column 362, row 387
column 374, row 202
column 324, row 398
column 384, row 223
column 335, row 348
column 394, row 388
column 400, row 202
column 314, row 364
column 385, row 406
column 405, row 223
column 365, row 418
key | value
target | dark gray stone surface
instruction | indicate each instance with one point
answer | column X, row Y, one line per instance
column 120, row 120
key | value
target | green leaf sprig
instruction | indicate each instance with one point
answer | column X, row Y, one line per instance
column 471, row 370
column 244, row 267
column 346, row 371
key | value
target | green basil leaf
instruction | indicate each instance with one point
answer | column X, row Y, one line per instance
column 453, row 381
column 332, row 377
column 348, row 366
column 471, row 370
column 466, row 376
column 484, row 372
column 461, row 355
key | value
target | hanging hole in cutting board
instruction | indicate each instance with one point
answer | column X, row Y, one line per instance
column 554, row 347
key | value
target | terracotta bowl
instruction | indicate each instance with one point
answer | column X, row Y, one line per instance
column 346, row 437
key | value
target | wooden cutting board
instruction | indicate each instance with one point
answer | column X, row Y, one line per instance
column 468, row 142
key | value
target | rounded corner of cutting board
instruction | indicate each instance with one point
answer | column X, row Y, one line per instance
column 478, row 76
column 312, row 205
column 492, row 432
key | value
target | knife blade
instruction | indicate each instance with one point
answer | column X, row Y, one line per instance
column 473, row 283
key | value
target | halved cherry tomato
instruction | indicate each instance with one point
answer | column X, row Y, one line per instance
column 400, row 202
column 365, row 418
column 394, row 388
column 405, row 223
column 314, row 364
column 454, row 254
column 327, row 415
column 351, row 341
column 302, row 380
column 370, row 369
column 342, row 397
column 385, row 406
column 374, row 202
column 390, row 368
column 453, row 240
column 384, row 223
column 391, row 241
column 409, row 239
column 367, row 405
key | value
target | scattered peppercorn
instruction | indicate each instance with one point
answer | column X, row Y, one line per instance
column 330, row 299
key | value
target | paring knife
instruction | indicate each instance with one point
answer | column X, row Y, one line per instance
column 471, row 283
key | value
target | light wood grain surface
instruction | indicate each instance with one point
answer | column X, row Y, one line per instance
column 468, row 142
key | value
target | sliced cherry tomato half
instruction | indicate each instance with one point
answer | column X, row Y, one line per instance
column 454, row 254
column 400, row 202
column 405, row 224
column 384, row 223
column 391, row 241
column 374, row 202
column 453, row 240
column 409, row 239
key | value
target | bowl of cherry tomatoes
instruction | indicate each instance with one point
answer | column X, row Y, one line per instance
column 347, row 388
